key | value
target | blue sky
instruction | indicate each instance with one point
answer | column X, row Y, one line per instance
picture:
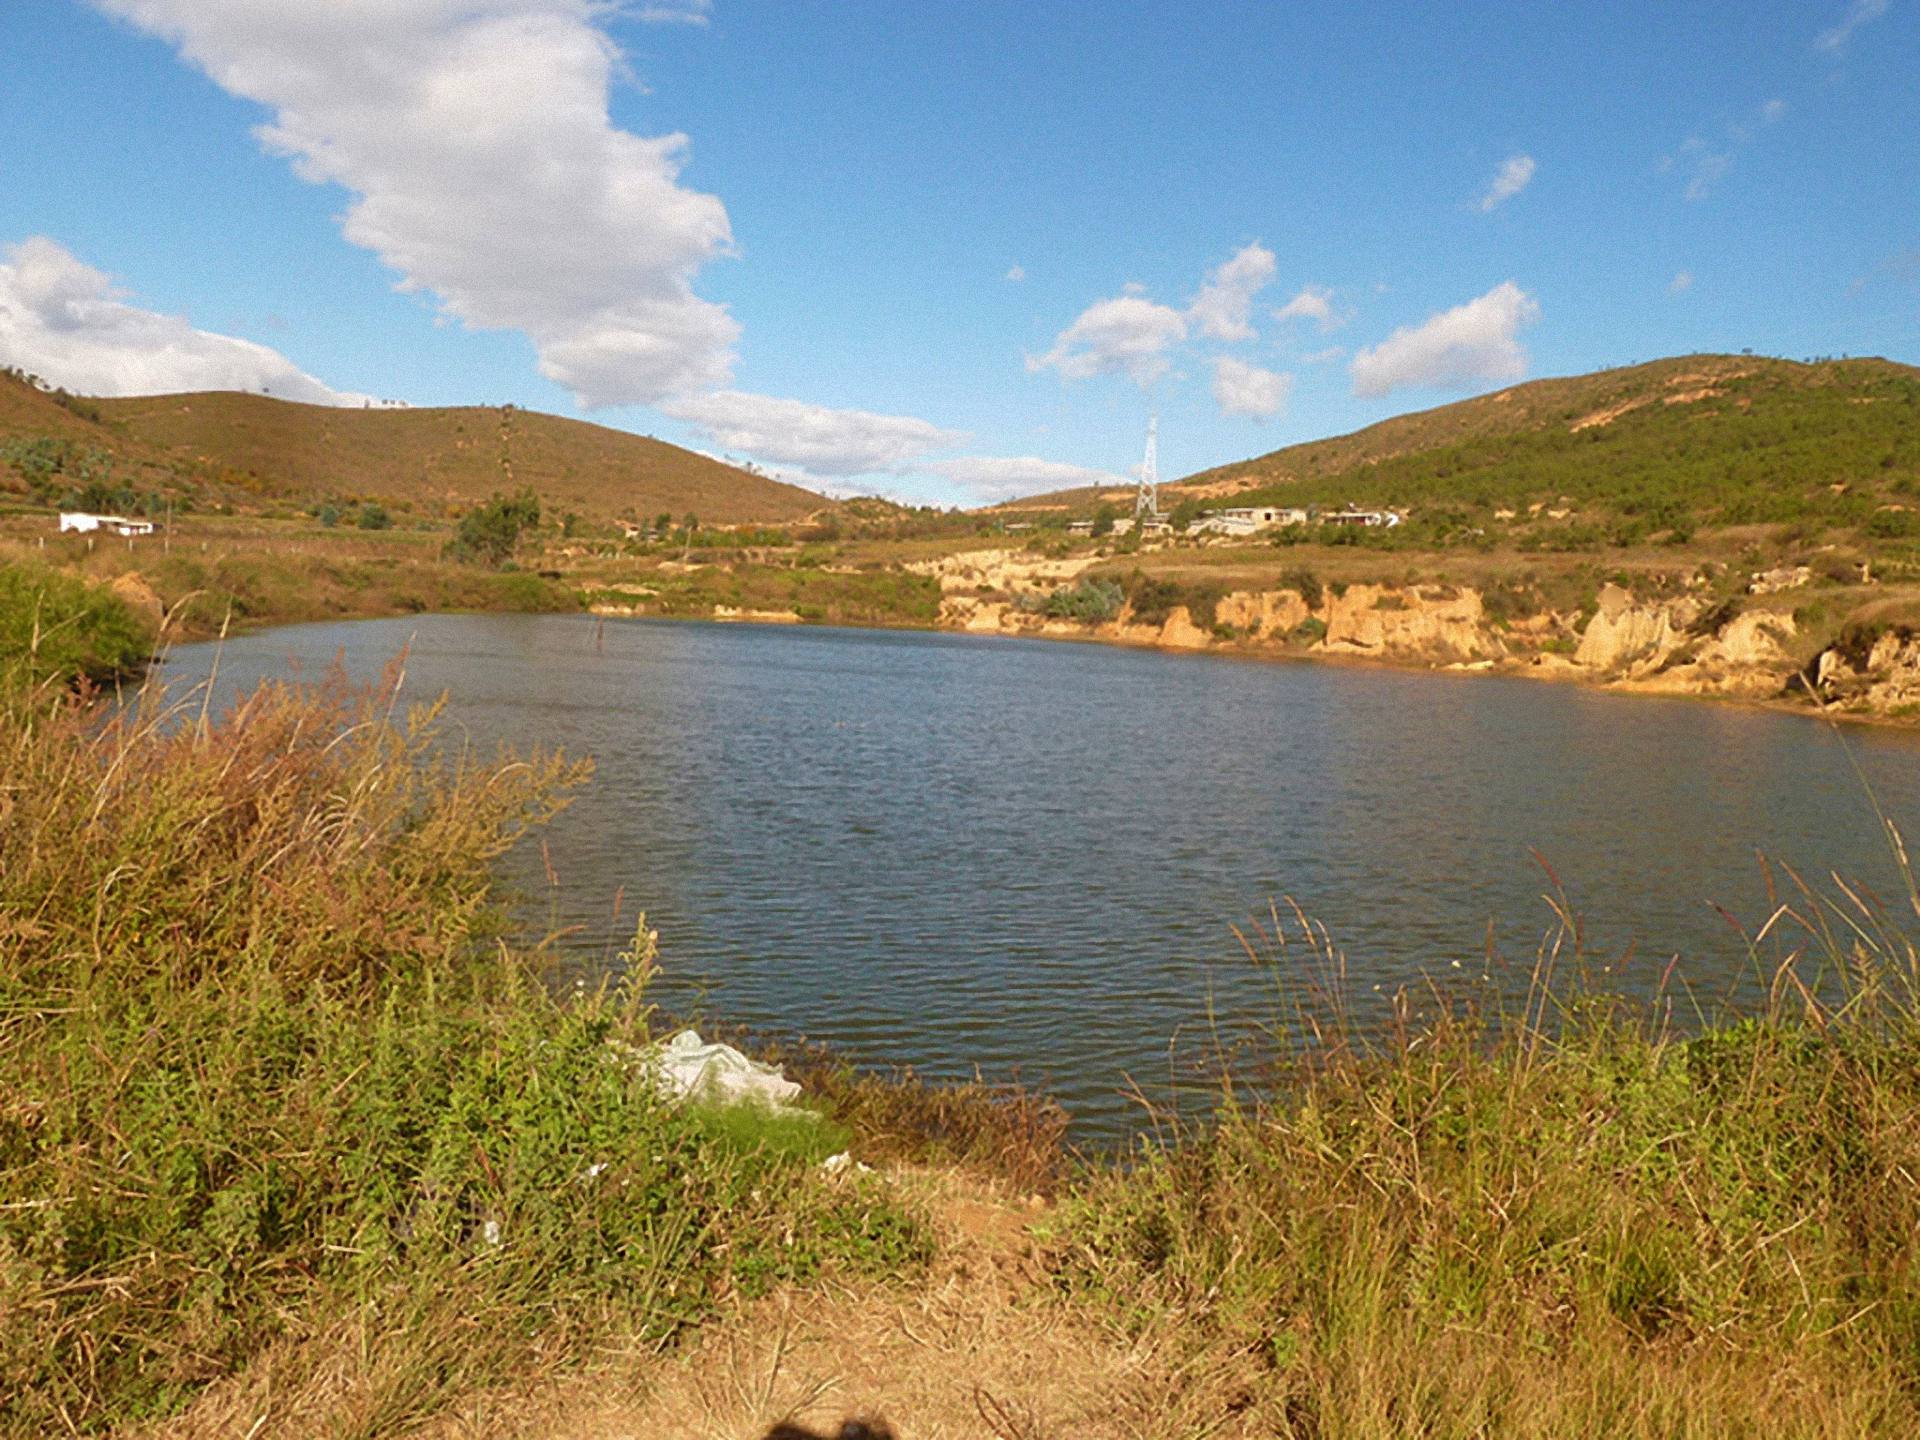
column 947, row 252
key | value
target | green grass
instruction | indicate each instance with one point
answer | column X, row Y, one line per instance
column 1561, row 1217
column 271, row 1073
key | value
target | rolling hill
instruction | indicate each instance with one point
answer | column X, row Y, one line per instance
column 1720, row 439
column 227, row 445
column 447, row 458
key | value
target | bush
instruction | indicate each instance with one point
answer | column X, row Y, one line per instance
column 55, row 627
column 1089, row 602
column 1306, row 583
column 490, row 534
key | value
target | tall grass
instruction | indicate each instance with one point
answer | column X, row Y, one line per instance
column 273, row 1079
column 1556, row 1216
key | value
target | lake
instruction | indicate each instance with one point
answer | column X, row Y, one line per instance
column 1027, row 857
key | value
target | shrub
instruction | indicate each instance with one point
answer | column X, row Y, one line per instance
column 1306, row 583
column 55, row 627
column 490, row 534
column 1089, row 602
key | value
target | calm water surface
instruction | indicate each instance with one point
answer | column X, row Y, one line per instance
column 1026, row 857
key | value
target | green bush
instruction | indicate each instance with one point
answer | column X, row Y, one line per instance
column 55, row 627
column 1089, row 602
column 490, row 534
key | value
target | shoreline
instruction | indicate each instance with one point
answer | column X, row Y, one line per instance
column 1240, row 653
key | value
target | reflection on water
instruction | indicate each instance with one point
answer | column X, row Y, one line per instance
column 958, row 852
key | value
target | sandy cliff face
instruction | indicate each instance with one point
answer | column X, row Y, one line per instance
column 1263, row 614
column 1884, row 680
column 1628, row 639
column 1435, row 624
column 1011, row 571
column 1651, row 644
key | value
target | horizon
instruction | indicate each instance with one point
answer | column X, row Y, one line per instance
column 957, row 291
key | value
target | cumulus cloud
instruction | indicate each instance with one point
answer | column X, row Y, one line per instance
column 1773, row 111
column 65, row 321
column 1858, row 13
column 1224, row 304
column 821, row 440
column 1016, row 273
column 1243, row 389
column 1681, row 283
column 475, row 141
column 1470, row 344
column 1315, row 303
column 991, row 477
column 1127, row 335
column 1515, row 174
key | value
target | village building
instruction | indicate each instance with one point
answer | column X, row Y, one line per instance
column 1248, row 519
column 1355, row 515
column 83, row 522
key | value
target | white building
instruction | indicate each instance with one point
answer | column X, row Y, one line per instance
column 1247, row 519
column 81, row 522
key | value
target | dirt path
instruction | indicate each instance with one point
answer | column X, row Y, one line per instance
column 979, row 1347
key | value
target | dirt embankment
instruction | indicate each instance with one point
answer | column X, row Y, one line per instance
column 1677, row 645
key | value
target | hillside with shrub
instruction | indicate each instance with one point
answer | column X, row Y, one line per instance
column 1691, row 442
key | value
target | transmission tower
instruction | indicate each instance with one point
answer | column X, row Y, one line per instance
column 1146, row 500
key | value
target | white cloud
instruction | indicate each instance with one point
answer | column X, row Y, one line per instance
column 1515, row 173
column 991, row 477
column 821, row 440
column 1859, row 12
column 676, row 12
column 1243, row 389
column 475, row 141
column 1773, row 111
column 1315, row 303
column 1222, row 307
column 1467, row 345
column 1681, row 283
column 1323, row 357
column 63, row 320
column 1704, row 165
column 1127, row 335
column 1016, row 273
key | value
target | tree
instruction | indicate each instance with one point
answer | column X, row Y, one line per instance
column 1103, row 518
column 374, row 517
column 490, row 534
column 1184, row 514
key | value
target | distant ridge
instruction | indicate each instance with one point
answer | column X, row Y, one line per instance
column 433, row 460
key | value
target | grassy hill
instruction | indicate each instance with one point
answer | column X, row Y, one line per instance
column 435, row 459
column 1695, row 440
column 254, row 452
column 52, row 442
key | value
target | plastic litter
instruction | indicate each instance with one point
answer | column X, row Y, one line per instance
column 687, row 1067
